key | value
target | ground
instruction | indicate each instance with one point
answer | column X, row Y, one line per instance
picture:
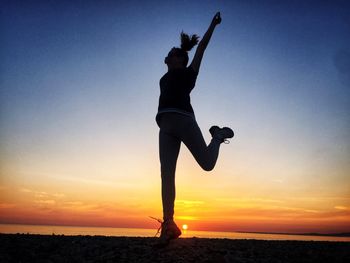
column 60, row 248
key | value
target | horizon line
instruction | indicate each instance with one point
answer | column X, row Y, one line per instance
column 333, row 234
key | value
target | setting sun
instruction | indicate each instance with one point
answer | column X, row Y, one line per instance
column 184, row 227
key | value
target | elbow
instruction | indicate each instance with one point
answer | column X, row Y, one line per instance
column 208, row 169
column 208, row 166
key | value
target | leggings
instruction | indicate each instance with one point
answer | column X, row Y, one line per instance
column 174, row 129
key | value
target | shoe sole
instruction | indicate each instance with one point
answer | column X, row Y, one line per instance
column 163, row 242
column 228, row 132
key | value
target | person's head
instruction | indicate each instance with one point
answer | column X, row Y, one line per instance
column 178, row 57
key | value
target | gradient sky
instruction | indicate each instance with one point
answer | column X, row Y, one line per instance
column 79, row 93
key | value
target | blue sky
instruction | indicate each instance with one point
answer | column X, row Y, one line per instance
column 79, row 82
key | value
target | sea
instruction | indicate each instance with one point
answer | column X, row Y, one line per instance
column 139, row 232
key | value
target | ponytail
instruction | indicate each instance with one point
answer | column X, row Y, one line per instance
column 187, row 42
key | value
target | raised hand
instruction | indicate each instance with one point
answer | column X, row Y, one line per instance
column 217, row 19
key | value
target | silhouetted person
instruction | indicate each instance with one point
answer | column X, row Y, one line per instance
column 177, row 122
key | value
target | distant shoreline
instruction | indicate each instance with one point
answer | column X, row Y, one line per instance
column 340, row 235
column 299, row 234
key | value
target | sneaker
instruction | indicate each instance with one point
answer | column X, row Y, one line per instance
column 168, row 231
column 221, row 133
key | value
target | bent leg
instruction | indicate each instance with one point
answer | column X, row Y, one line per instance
column 169, row 147
column 206, row 156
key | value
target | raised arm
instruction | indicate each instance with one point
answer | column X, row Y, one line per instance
column 197, row 59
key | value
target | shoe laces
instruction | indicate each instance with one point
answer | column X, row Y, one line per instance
column 161, row 224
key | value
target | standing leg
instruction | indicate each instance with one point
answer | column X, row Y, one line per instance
column 169, row 147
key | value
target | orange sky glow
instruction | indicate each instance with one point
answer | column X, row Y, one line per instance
column 79, row 90
column 212, row 207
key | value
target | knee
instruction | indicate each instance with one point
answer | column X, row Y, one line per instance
column 207, row 164
column 167, row 178
column 208, row 167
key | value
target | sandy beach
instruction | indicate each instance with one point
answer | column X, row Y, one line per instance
column 60, row 248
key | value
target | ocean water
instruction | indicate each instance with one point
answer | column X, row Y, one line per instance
column 138, row 232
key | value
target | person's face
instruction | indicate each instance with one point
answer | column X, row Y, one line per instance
column 175, row 58
column 178, row 60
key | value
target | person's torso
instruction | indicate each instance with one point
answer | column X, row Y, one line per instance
column 175, row 88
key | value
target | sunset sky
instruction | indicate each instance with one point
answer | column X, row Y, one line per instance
column 79, row 88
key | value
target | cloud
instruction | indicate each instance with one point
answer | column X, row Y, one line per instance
column 42, row 198
column 339, row 207
column 280, row 181
column 25, row 190
column 45, row 202
column 189, row 202
column 189, row 218
column 59, row 195
column 41, row 194
column 251, row 201
column 6, row 205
